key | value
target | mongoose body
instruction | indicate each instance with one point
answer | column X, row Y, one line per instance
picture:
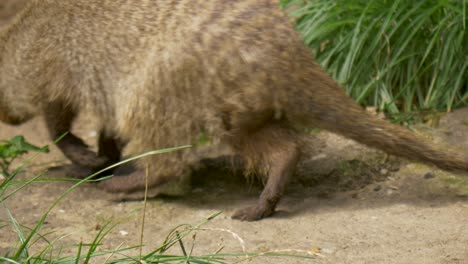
column 159, row 74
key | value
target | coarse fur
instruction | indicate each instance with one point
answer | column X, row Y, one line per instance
column 158, row 74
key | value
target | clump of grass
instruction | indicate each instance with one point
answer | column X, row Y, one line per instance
column 28, row 238
column 400, row 56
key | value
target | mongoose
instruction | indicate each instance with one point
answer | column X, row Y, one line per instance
column 158, row 74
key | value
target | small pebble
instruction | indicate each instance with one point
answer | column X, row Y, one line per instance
column 429, row 175
column 2, row 177
column 123, row 232
column 118, row 208
column 319, row 156
column 329, row 250
column 384, row 171
column 92, row 134
column 61, row 211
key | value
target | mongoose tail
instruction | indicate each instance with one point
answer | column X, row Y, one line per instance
column 333, row 110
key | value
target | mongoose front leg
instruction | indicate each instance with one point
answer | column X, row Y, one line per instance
column 59, row 118
column 108, row 147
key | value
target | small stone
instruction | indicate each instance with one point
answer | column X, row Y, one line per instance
column 377, row 188
column 123, row 232
column 384, row 171
column 61, row 211
column 319, row 156
column 328, row 250
column 2, row 177
column 429, row 175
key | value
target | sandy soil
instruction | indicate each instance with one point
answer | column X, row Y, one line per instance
column 347, row 203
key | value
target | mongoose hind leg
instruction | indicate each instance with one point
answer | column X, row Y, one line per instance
column 272, row 151
column 282, row 163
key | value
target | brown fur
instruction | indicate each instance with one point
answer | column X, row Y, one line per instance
column 160, row 73
column 8, row 8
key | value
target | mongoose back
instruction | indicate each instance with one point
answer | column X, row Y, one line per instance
column 158, row 74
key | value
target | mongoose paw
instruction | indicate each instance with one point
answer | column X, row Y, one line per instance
column 78, row 153
column 126, row 179
column 114, row 185
column 71, row 171
column 252, row 213
column 88, row 158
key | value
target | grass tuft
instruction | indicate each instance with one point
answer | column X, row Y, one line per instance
column 400, row 56
column 27, row 248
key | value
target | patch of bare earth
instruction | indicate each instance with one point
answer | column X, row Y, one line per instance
column 347, row 202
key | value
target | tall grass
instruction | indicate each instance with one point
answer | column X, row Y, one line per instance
column 400, row 56
column 34, row 247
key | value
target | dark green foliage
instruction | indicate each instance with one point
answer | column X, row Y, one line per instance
column 14, row 148
column 401, row 56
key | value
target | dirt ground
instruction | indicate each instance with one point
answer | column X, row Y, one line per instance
column 348, row 203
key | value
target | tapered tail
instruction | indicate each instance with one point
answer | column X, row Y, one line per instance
column 324, row 104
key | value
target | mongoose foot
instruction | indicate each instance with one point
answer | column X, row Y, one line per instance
column 127, row 179
column 80, row 155
column 253, row 213
column 72, row 171
column 77, row 171
column 129, row 183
